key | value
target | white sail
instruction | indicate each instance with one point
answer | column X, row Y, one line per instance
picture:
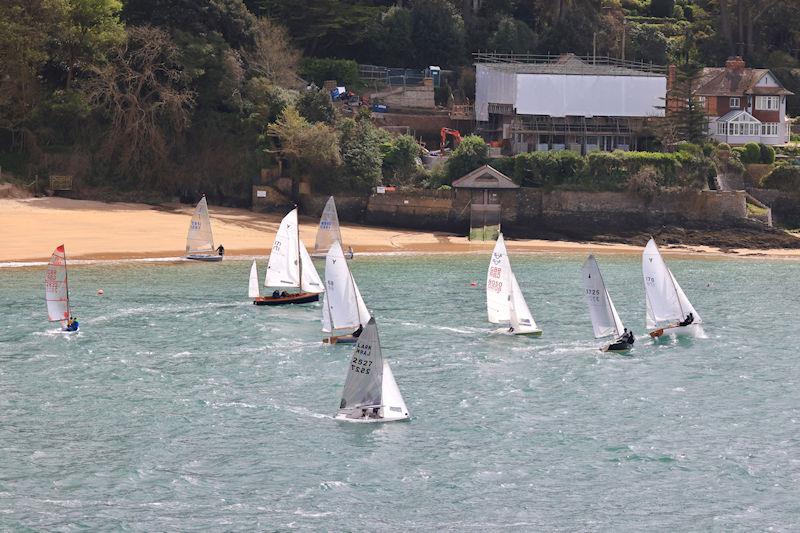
column 498, row 286
column 289, row 263
column 394, row 407
column 310, row 281
column 252, row 289
column 343, row 306
column 283, row 267
column 605, row 319
column 56, row 288
column 200, row 240
column 520, row 316
column 328, row 231
column 666, row 301
column 363, row 387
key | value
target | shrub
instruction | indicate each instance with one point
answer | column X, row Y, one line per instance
column 723, row 147
column 318, row 70
column 469, row 155
column 784, row 177
column 751, row 153
column 689, row 148
column 400, row 159
column 644, row 183
column 548, row 169
column 316, row 106
column 767, row 154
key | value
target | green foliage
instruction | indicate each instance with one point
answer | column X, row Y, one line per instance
column 61, row 118
column 689, row 148
column 392, row 39
column 316, row 106
column 360, row 143
column 400, row 159
column 644, row 183
column 319, row 70
column 784, row 177
column 648, row 43
column 662, row 8
column 549, row 169
column 751, row 153
column 767, row 153
column 469, row 155
column 437, row 33
column 309, row 148
column 512, row 35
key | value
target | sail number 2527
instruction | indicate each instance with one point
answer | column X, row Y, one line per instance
column 360, row 365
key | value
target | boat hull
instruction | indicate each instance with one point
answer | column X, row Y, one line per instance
column 618, row 347
column 297, row 298
column 692, row 330
column 341, row 339
column 205, row 258
column 523, row 332
column 344, row 417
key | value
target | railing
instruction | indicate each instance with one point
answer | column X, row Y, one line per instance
column 462, row 112
column 570, row 63
column 393, row 76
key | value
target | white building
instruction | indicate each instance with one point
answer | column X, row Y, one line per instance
column 566, row 102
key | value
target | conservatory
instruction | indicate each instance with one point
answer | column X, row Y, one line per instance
column 740, row 127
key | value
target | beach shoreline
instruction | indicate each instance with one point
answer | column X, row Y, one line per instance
column 98, row 231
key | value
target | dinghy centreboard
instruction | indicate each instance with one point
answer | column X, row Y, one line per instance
column 667, row 304
column 343, row 308
column 200, row 241
column 370, row 392
column 504, row 300
column 56, row 288
column 605, row 320
column 290, row 266
column 328, row 231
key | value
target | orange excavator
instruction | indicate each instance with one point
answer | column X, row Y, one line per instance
column 455, row 134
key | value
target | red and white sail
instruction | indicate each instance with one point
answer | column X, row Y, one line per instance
column 55, row 287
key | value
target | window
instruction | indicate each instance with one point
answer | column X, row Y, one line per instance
column 735, row 102
column 769, row 129
column 701, row 101
column 722, row 128
column 767, row 103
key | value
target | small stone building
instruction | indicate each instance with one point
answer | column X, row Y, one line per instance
column 482, row 190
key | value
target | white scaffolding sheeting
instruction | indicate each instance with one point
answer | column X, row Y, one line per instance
column 495, row 86
column 560, row 95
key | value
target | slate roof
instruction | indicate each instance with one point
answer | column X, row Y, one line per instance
column 721, row 81
column 485, row 177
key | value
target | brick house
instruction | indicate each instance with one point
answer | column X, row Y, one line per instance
column 743, row 104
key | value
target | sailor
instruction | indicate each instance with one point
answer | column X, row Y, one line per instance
column 688, row 320
column 276, row 293
column 630, row 339
column 72, row 324
column 357, row 332
column 375, row 412
column 221, row 250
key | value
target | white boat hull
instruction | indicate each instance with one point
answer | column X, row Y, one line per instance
column 390, row 416
column 203, row 257
column 527, row 332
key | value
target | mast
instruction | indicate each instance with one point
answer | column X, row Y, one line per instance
column 299, row 258
column 66, row 282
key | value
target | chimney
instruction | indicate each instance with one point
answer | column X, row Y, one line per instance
column 672, row 77
column 734, row 63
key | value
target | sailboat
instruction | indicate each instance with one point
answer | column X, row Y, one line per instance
column 605, row 320
column 290, row 266
column 252, row 287
column 328, row 230
column 504, row 300
column 667, row 305
column 56, row 289
column 370, row 392
column 342, row 308
column 200, row 241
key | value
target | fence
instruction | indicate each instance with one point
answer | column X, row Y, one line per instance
column 394, row 77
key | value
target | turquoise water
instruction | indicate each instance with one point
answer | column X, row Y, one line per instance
column 182, row 406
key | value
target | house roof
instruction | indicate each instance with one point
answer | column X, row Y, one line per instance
column 485, row 177
column 721, row 81
column 738, row 115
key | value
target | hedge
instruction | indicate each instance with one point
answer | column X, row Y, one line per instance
column 784, row 177
column 318, row 70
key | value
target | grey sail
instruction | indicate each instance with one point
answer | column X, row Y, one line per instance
column 362, row 387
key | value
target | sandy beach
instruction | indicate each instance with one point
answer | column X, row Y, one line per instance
column 33, row 227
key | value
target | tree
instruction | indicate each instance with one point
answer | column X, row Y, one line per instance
column 469, row 155
column 400, row 159
column 392, row 40
column 89, row 29
column 145, row 94
column 360, row 143
column 271, row 55
column 316, row 106
column 437, row 33
column 309, row 148
column 512, row 35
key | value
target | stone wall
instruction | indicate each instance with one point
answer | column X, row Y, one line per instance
column 530, row 212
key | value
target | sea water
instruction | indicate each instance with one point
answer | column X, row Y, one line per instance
column 182, row 406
